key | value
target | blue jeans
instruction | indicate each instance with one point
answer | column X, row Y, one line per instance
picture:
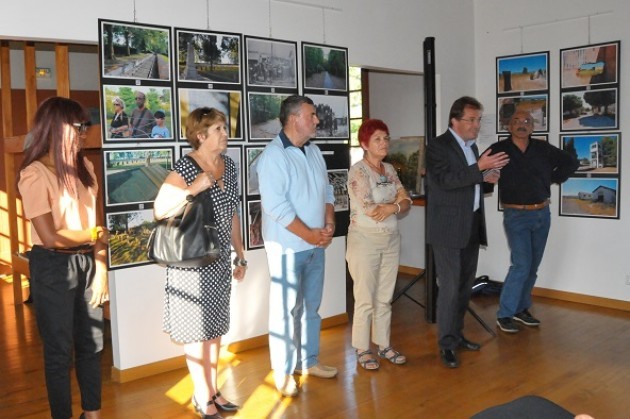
column 527, row 233
column 295, row 294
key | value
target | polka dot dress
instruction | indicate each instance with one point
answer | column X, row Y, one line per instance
column 197, row 300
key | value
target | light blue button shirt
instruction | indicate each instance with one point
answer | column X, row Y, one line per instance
column 293, row 183
column 471, row 159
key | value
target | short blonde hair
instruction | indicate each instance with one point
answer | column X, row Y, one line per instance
column 198, row 122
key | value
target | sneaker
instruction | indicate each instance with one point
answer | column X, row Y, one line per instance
column 526, row 318
column 507, row 325
column 318, row 370
column 286, row 385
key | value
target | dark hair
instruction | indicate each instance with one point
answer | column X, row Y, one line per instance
column 291, row 106
column 458, row 107
column 369, row 127
column 198, row 122
column 53, row 130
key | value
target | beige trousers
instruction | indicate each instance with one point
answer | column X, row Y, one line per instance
column 373, row 264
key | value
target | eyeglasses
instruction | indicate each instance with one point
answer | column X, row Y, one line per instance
column 525, row 121
column 139, row 98
column 471, row 120
column 81, row 127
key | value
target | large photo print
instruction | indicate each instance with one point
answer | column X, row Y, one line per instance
column 332, row 112
column 264, row 109
column 590, row 197
column 324, row 67
column 208, row 57
column 536, row 105
column 523, row 73
column 590, row 65
column 271, row 63
column 134, row 176
column 137, row 113
column 228, row 102
column 131, row 51
column 589, row 110
column 129, row 235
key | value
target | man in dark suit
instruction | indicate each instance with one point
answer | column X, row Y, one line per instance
column 456, row 220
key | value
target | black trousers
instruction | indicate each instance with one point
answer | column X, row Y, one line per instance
column 456, row 270
column 60, row 284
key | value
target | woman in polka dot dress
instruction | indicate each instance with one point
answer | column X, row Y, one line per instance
column 197, row 300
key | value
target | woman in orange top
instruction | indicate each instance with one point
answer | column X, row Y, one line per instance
column 67, row 262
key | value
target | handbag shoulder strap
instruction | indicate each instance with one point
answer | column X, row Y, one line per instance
column 210, row 217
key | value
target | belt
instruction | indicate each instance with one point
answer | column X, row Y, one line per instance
column 79, row 250
column 527, row 207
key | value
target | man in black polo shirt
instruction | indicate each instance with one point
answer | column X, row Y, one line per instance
column 524, row 189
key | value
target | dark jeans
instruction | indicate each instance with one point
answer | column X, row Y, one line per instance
column 61, row 291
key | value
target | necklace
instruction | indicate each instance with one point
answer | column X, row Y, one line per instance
column 380, row 170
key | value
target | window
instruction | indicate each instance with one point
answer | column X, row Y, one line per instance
column 358, row 110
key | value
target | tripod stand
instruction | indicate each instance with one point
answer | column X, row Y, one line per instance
column 479, row 281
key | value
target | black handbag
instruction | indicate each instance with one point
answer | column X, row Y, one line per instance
column 189, row 240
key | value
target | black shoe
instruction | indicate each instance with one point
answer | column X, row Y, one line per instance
column 449, row 358
column 202, row 412
column 526, row 318
column 468, row 345
column 507, row 325
column 227, row 407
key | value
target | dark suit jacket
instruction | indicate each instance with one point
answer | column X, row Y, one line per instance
column 450, row 193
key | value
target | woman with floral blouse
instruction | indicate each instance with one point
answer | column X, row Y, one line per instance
column 376, row 199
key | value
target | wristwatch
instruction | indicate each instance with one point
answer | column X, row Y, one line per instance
column 239, row 262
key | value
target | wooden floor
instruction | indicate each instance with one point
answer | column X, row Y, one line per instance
column 579, row 358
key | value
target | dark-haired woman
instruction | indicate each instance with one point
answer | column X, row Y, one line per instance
column 197, row 300
column 67, row 261
column 376, row 198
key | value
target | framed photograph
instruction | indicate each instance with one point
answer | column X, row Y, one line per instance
column 537, row 105
column 406, row 154
column 271, row 63
column 251, row 155
column 590, row 65
column 227, row 101
column 338, row 178
column 590, row 110
column 337, row 158
column 146, row 111
column 235, row 152
column 523, row 73
column 254, row 225
column 324, row 67
column 129, row 235
column 134, row 176
column 590, row 197
column 133, row 51
column 264, row 109
column 208, row 57
column 332, row 112
column 597, row 154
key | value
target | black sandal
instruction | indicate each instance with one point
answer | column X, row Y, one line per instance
column 228, row 407
column 367, row 362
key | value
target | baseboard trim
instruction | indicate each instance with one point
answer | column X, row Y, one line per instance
column 142, row 371
column 409, row 270
column 582, row 298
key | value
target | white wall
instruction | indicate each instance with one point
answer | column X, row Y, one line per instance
column 398, row 99
column 584, row 255
column 378, row 34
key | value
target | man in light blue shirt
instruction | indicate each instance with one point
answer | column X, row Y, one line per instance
column 297, row 225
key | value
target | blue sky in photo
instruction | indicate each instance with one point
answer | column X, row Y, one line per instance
column 583, row 144
column 575, row 185
column 516, row 64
